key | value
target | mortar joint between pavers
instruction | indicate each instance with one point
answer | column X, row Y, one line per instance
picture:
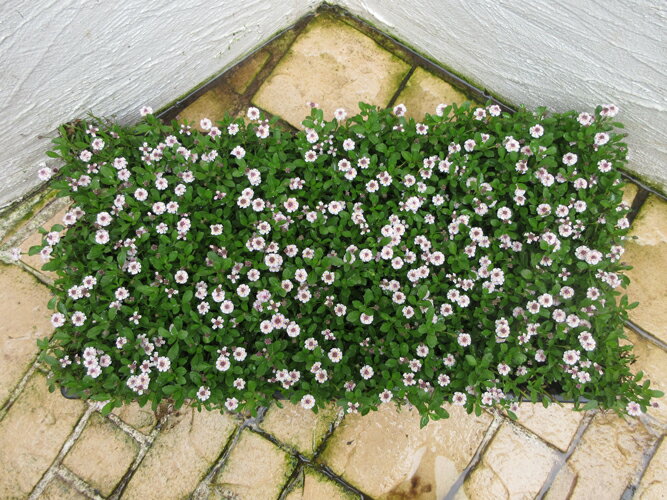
column 326, row 471
column 563, row 457
column 646, row 335
column 17, row 390
column 79, row 484
column 641, row 469
column 401, row 86
column 128, row 429
column 489, row 434
column 291, row 481
column 74, row 435
column 201, row 492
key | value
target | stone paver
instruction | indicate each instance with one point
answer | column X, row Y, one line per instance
column 142, row 419
column 606, row 460
column 213, row 104
column 629, row 193
column 25, row 318
column 647, row 254
column 32, row 434
column 653, row 362
column 59, row 489
column 297, row 427
column 181, row 455
column 385, row 451
column 515, row 466
column 654, row 482
column 35, row 238
column 102, row 454
column 242, row 76
column 255, row 469
column 424, row 91
column 318, row 487
column 556, row 424
column 334, row 65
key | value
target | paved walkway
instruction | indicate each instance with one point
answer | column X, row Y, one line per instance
column 55, row 448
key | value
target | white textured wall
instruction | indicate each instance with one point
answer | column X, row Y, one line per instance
column 60, row 59
column 565, row 54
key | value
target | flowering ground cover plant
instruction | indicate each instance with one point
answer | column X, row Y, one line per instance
column 470, row 258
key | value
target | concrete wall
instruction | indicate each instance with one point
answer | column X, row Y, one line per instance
column 565, row 54
column 62, row 59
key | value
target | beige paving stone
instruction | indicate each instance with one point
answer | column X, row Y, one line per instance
column 142, row 419
column 102, row 454
column 212, row 105
column 242, row 75
column 606, row 459
column 515, row 465
column 25, row 318
column 31, row 435
column 334, row 65
column 36, row 239
column 181, row 455
column 647, row 254
column 384, row 452
column 651, row 360
column 299, row 428
column 424, row 91
column 256, row 468
column 629, row 193
column 653, row 485
column 556, row 424
column 59, row 489
column 563, row 484
column 318, row 487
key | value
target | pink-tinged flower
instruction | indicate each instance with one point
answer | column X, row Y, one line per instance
column 104, row 218
column 231, row 404
column 238, row 152
column 348, row 144
column 335, row 355
column 203, row 393
column 386, row 396
column 307, row 401
column 459, row 399
column 222, row 363
column 227, row 307
column 310, row 156
column 601, row 138
column 163, row 364
column 609, row 110
column 440, row 109
column 421, row 128
column 479, row 114
column 570, row 357
column 205, row 124
column 366, row 372
column 78, row 318
column 340, row 114
column 400, row 110
column 253, row 113
column 181, row 276
column 443, row 380
column 293, row 329
column 101, row 237
column 239, row 354
column 141, row 194
column 464, row 339
column 44, row 173
column 504, row 369
column 366, row 319
column 536, row 131
column 494, row 110
column 57, row 320
column 570, row 159
column 633, row 409
column 85, row 155
column 146, row 110
column 504, row 213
